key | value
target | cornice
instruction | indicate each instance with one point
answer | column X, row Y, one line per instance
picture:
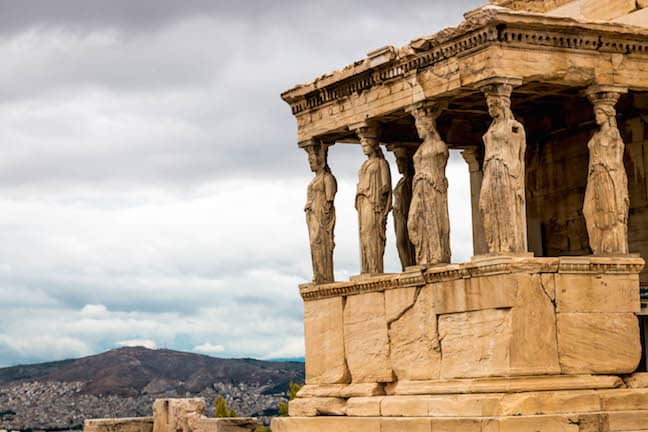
column 479, row 267
column 483, row 28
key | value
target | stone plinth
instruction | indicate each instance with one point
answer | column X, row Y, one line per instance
column 127, row 424
column 502, row 343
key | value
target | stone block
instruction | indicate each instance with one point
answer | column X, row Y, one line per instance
column 480, row 405
column 635, row 421
column 176, row 415
column 598, row 342
column 130, row 424
column 415, row 353
column 475, row 344
column 320, row 390
column 538, row 423
column 311, row 407
column 233, row 424
column 464, row 295
column 604, row 10
column 534, row 348
column 365, row 338
column 642, row 4
column 536, row 403
column 398, row 301
column 363, row 406
column 326, row 424
column 624, row 399
column 602, row 293
column 363, row 389
column 324, row 337
column 637, row 380
column 409, row 425
column 504, row 385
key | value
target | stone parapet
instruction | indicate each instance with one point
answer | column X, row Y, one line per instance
column 496, row 316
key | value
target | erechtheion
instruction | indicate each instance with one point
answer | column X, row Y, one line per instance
column 548, row 102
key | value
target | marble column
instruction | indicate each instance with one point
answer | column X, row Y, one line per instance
column 502, row 199
column 474, row 160
column 607, row 202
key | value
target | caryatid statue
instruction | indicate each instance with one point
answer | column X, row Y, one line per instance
column 502, row 200
column 402, row 200
column 606, row 203
column 373, row 201
column 320, row 212
column 428, row 222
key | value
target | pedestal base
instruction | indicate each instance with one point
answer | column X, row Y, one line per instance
column 603, row 421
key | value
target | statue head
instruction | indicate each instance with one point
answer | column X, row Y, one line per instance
column 317, row 156
column 425, row 118
column 604, row 114
column 499, row 106
column 403, row 160
column 604, row 103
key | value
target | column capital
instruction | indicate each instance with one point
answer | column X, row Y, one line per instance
column 605, row 94
column 501, row 85
column 431, row 108
column 313, row 143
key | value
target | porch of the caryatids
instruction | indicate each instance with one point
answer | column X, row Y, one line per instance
column 428, row 222
column 502, row 199
column 606, row 203
column 373, row 200
column 320, row 211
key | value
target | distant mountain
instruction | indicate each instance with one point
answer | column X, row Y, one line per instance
column 125, row 381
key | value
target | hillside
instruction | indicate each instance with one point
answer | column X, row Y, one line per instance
column 125, row 381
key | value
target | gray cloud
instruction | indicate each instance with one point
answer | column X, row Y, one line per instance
column 150, row 183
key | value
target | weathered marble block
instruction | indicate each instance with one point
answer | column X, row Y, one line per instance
column 366, row 339
column 324, row 336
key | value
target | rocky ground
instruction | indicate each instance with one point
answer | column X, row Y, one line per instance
column 61, row 406
column 47, row 397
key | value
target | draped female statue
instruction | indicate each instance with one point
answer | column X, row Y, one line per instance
column 502, row 201
column 320, row 213
column 402, row 200
column 428, row 223
column 373, row 202
column 606, row 203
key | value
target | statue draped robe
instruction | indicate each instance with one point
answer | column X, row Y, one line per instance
column 320, row 218
column 502, row 201
column 429, row 223
column 373, row 202
column 606, row 203
column 402, row 201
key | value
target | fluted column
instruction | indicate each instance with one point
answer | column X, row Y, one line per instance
column 474, row 160
column 607, row 202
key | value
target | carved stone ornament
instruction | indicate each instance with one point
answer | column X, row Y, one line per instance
column 373, row 201
column 606, row 203
column 320, row 212
column 502, row 202
column 428, row 223
column 402, row 201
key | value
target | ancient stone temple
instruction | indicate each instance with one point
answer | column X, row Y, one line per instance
column 548, row 102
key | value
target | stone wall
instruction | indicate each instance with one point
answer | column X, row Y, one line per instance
column 495, row 317
column 556, row 180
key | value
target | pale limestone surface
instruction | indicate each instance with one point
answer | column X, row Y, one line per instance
column 475, row 344
column 134, row 424
column 603, row 343
column 428, row 222
column 607, row 293
column 177, row 415
column 231, row 424
column 324, row 336
column 310, row 407
column 414, row 348
column 320, row 213
column 637, row 380
column 365, row 338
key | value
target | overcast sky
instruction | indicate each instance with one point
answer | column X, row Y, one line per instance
column 151, row 188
